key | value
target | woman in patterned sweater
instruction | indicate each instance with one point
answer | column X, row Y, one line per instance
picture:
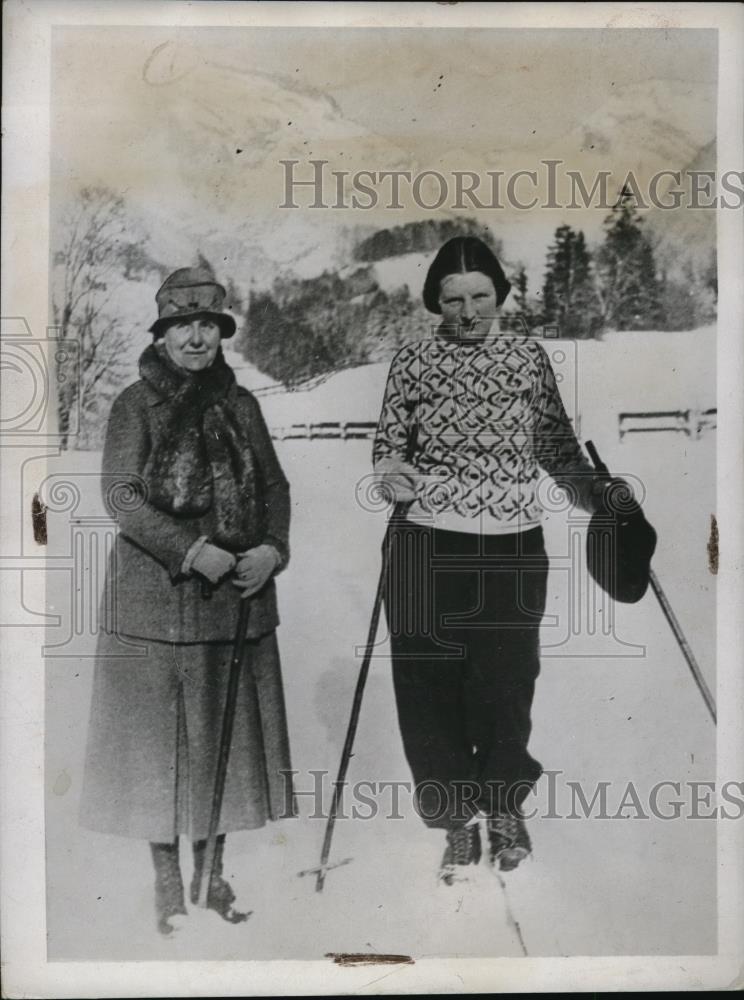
column 469, row 419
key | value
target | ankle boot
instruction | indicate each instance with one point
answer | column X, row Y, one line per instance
column 220, row 896
column 508, row 841
column 169, row 899
column 463, row 848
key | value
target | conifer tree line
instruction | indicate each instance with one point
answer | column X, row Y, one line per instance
column 299, row 329
column 618, row 287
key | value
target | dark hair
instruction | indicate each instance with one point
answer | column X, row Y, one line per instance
column 458, row 256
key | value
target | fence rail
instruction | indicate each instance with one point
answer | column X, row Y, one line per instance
column 689, row 422
column 348, row 430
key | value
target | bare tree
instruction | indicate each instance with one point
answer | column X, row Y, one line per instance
column 95, row 256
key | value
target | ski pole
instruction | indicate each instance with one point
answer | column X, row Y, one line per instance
column 666, row 608
column 684, row 645
column 396, row 516
column 228, row 720
column 356, row 707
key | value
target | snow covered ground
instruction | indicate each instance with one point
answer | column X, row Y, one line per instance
column 609, row 708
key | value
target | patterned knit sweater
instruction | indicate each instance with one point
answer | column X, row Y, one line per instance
column 488, row 417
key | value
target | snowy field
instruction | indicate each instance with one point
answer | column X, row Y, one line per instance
column 615, row 708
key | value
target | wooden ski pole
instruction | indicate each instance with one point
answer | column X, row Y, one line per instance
column 320, row 872
column 228, row 721
column 684, row 645
column 397, row 515
column 697, row 674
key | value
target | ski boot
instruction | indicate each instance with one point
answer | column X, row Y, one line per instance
column 508, row 841
column 463, row 848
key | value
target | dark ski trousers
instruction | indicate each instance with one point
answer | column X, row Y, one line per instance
column 464, row 614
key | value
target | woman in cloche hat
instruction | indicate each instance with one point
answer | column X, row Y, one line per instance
column 204, row 526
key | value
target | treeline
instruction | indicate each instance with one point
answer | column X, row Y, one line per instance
column 419, row 237
column 303, row 328
column 618, row 287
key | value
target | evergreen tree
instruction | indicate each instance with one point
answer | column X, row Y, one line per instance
column 569, row 298
column 628, row 286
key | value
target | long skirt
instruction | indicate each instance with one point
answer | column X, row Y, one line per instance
column 154, row 734
column 464, row 614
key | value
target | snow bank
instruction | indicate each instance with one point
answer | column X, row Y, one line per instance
column 640, row 370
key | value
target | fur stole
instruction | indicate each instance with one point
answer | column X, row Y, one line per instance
column 203, row 462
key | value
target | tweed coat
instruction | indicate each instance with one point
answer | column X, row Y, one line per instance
column 150, row 596
column 155, row 718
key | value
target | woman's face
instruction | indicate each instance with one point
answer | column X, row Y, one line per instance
column 468, row 302
column 193, row 344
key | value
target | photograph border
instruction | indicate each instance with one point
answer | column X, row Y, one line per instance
column 25, row 253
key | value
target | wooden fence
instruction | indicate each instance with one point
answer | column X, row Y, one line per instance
column 689, row 422
column 347, row 430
